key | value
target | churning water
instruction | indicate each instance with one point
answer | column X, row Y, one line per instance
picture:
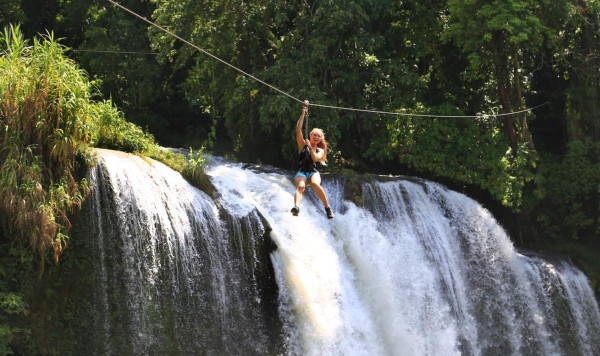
column 414, row 269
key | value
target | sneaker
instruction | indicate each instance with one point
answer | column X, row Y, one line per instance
column 329, row 213
column 295, row 210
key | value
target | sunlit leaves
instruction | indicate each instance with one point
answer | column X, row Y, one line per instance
column 42, row 110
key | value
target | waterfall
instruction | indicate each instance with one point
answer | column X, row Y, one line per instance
column 167, row 277
column 406, row 268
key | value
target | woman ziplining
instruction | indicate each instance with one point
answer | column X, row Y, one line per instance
column 302, row 185
column 311, row 151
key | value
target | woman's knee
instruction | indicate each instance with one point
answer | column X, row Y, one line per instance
column 301, row 187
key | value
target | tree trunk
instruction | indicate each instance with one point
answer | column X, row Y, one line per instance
column 503, row 96
column 525, row 135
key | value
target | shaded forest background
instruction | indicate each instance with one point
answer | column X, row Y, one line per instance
column 538, row 171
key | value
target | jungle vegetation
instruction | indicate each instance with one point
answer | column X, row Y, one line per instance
column 50, row 116
column 81, row 73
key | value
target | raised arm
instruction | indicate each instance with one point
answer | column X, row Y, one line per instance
column 299, row 136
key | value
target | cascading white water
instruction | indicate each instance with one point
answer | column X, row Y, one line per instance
column 166, row 278
column 416, row 269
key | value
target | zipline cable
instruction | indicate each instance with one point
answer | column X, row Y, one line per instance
column 313, row 104
column 429, row 115
column 203, row 51
column 112, row 52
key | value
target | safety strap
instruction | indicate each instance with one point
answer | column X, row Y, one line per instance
column 306, row 120
column 306, row 127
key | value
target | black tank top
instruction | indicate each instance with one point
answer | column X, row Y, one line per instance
column 305, row 162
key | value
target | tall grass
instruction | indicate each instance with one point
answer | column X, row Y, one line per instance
column 44, row 113
column 194, row 171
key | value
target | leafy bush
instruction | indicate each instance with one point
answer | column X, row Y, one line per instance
column 469, row 151
column 47, row 121
column 109, row 129
column 44, row 108
column 11, row 304
column 570, row 192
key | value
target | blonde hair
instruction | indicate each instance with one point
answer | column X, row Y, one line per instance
column 323, row 143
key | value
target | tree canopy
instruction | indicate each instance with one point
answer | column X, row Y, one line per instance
column 411, row 57
column 539, row 170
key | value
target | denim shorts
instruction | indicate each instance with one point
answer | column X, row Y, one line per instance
column 306, row 175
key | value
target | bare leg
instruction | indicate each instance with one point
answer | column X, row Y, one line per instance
column 300, row 187
column 315, row 183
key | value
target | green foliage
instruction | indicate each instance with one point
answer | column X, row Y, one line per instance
column 15, row 271
column 117, row 50
column 475, row 25
column 348, row 53
column 11, row 304
column 195, row 170
column 438, row 57
column 499, row 37
column 110, row 129
column 197, row 163
column 11, row 12
column 44, row 110
column 47, row 118
column 468, row 151
column 569, row 194
column 398, row 56
column 237, row 33
column 578, row 58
